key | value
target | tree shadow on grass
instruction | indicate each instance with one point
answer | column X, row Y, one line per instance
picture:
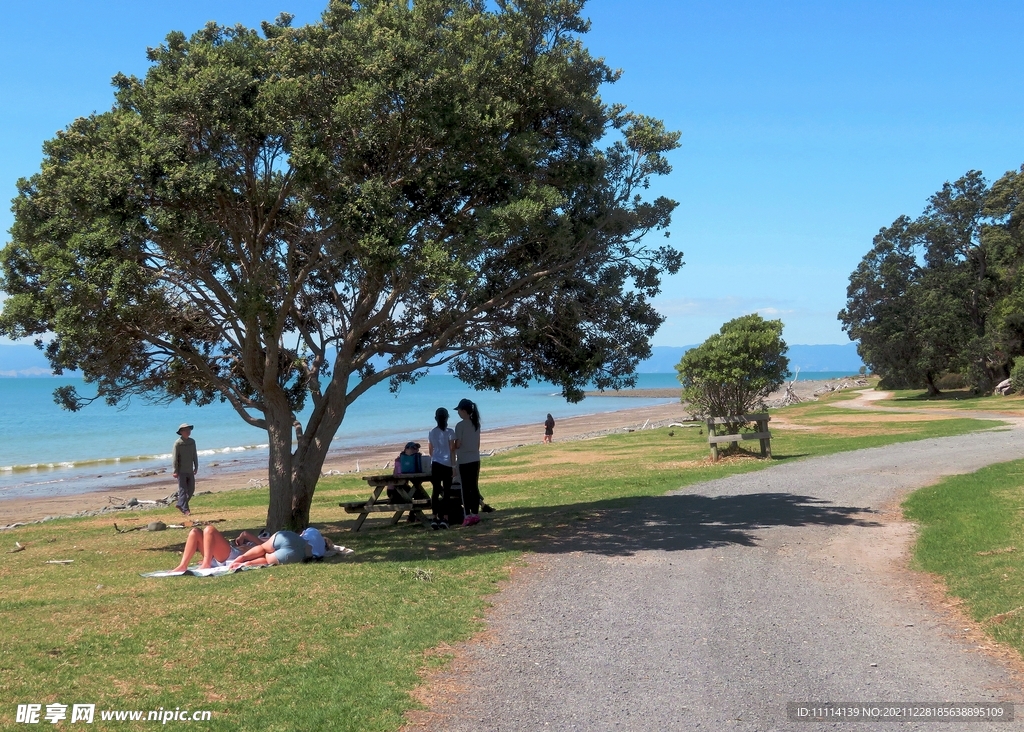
column 614, row 527
column 619, row 527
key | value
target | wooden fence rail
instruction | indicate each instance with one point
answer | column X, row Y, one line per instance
column 762, row 433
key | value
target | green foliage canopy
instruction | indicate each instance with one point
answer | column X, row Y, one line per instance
column 296, row 215
column 733, row 371
column 944, row 293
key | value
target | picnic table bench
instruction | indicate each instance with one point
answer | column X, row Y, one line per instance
column 409, row 487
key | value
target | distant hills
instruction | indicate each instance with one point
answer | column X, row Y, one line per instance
column 25, row 360
column 22, row 360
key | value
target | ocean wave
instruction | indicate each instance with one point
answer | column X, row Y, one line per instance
column 236, row 448
column 34, row 484
column 99, row 462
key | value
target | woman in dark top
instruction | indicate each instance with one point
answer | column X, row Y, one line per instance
column 549, row 428
column 467, row 459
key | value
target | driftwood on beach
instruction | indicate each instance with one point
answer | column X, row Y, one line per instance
column 161, row 526
column 122, row 503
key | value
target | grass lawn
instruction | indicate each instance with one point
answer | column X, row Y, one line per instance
column 973, row 536
column 337, row 645
column 960, row 399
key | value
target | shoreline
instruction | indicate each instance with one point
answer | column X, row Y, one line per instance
column 365, row 459
column 234, row 474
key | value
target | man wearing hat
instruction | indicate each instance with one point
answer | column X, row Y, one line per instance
column 185, row 461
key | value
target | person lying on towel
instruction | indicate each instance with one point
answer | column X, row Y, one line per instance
column 214, row 548
column 286, row 547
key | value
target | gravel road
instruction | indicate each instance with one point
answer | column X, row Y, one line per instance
column 712, row 608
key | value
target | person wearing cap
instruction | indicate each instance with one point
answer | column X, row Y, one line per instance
column 467, row 459
column 185, row 462
column 440, row 442
column 409, row 460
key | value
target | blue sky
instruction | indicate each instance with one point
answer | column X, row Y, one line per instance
column 806, row 126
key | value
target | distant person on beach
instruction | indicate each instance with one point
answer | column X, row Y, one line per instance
column 467, row 459
column 549, row 428
column 185, row 461
column 439, row 445
column 214, row 548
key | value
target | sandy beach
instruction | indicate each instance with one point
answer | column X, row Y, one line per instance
column 367, row 459
column 220, row 476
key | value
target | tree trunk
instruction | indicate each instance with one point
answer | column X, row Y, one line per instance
column 282, row 495
column 930, row 383
column 294, row 475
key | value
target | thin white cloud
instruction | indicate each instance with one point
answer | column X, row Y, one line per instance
column 775, row 312
column 723, row 307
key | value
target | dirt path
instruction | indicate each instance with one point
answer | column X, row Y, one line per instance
column 711, row 609
column 867, row 400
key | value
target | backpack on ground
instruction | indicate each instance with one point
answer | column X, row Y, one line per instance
column 452, row 505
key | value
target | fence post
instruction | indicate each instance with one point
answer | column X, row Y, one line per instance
column 714, row 445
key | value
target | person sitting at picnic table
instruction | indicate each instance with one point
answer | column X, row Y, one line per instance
column 214, row 548
column 408, row 461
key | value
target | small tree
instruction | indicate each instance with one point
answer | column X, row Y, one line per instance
column 286, row 219
column 733, row 371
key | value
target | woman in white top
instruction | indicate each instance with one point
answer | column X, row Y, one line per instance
column 439, row 441
column 467, row 459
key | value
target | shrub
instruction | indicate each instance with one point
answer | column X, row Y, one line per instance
column 733, row 371
column 1017, row 376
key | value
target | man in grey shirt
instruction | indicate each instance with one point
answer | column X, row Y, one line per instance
column 185, row 461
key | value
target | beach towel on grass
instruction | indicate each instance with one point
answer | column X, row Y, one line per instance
column 221, row 571
column 199, row 572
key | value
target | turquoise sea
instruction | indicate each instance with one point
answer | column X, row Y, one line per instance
column 45, row 450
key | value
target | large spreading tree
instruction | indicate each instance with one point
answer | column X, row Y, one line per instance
column 287, row 218
column 943, row 293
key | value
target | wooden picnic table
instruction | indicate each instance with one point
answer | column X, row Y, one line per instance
column 409, row 487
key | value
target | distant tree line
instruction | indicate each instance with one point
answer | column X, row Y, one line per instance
column 942, row 296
